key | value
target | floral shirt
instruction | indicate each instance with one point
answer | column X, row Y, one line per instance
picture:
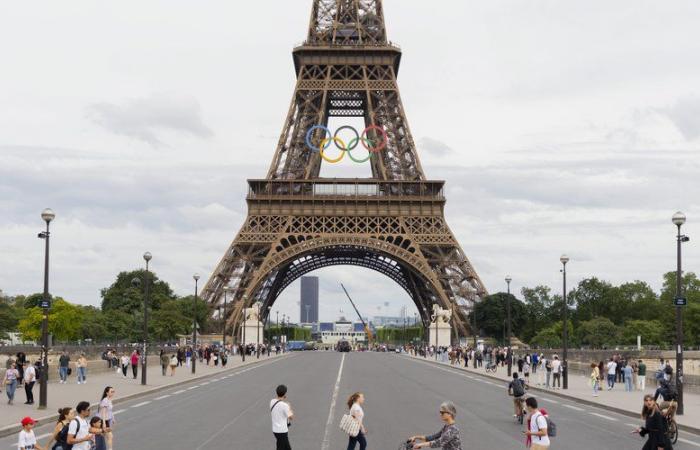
column 447, row 438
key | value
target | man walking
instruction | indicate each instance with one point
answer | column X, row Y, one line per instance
column 281, row 414
column 612, row 367
column 63, row 362
column 78, row 430
column 641, row 376
column 29, row 380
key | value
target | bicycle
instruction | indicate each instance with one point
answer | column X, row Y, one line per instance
column 521, row 417
column 671, row 425
column 490, row 367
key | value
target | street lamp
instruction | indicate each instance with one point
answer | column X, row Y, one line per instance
column 144, row 361
column 257, row 329
column 195, row 277
column 278, row 327
column 565, row 366
column 245, row 344
column 267, row 325
column 47, row 215
column 678, row 220
column 227, row 289
column 509, row 355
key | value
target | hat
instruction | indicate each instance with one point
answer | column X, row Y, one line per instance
column 28, row 420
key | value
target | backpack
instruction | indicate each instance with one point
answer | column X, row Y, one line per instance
column 548, row 365
column 551, row 426
column 62, row 436
column 518, row 388
column 668, row 370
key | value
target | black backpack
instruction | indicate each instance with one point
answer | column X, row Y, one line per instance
column 62, row 436
column 518, row 388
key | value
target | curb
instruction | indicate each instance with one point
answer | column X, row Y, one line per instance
column 13, row 429
column 581, row 401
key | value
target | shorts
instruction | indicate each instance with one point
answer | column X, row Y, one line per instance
column 539, row 447
column 517, row 401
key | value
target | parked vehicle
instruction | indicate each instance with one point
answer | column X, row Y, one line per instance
column 344, row 346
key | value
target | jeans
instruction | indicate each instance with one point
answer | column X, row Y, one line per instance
column 63, row 373
column 611, row 380
column 549, row 376
column 81, row 374
column 596, row 386
column 354, row 440
column 28, row 386
column 557, row 380
column 628, row 384
column 10, row 390
column 641, row 382
column 135, row 370
column 282, row 441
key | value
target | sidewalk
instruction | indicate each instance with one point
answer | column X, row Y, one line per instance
column 69, row 394
column 629, row 403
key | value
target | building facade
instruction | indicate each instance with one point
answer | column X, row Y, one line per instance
column 308, row 306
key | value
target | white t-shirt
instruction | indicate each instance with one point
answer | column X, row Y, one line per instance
column 29, row 374
column 79, row 433
column 357, row 412
column 280, row 414
column 537, row 423
column 27, row 440
column 555, row 365
column 612, row 365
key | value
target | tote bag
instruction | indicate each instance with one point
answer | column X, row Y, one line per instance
column 350, row 425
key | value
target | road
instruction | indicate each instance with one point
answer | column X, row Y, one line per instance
column 402, row 398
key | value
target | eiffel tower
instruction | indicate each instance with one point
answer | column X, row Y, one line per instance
column 392, row 222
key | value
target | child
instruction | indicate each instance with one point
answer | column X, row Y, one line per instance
column 97, row 430
column 27, row 440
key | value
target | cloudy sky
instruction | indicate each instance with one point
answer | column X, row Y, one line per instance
column 559, row 127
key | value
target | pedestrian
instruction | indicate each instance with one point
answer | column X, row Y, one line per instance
column 188, row 356
column 548, row 368
column 21, row 364
column 135, row 363
column 173, row 365
column 81, row 366
column 78, row 430
column 10, row 382
column 99, row 433
column 27, row 439
column 526, row 371
column 224, row 358
column 654, row 426
column 106, row 413
column 635, row 371
column 535, row 360
column 29, row 380
column 355, row 402
column 595, row 379
column 612, row 367
column 164, row 362
column 641, row 376
column 124, row 361
column 448, row 437
column 556, row 371
column 281, row 414
column 59, row 436
column 536, row 434
column 63, row 364
column 627, row 372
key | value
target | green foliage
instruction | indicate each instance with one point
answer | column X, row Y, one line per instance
column 492, row 312
column 168, row 322
column 11, row 311
column 398, row 335
column 65, row 322
column 124, row 296
column 651, row 331
column 549, row 337
column 539, row 310
column 599, row 332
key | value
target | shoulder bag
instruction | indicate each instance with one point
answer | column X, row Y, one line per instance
column 350, row 425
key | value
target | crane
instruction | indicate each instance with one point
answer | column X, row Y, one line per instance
column 370, row 337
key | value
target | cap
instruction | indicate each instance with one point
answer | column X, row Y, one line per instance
column 28, row 420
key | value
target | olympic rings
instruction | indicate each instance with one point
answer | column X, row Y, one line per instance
column 360, row 138
column 324, row 147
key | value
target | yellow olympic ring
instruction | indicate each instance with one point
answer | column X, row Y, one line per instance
column 336, row 140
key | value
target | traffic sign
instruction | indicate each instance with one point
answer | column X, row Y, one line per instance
column 680, row 301
column 45, row 304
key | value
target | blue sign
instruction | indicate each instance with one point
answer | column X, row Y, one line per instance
column 680, row 301
column 46, row 304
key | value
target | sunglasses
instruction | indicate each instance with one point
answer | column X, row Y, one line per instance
column 443, row 412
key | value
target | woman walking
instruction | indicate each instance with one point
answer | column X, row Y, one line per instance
column 10, row 382
column 595, row 379
column 355, row 402
column 654, row 426
column 135, row 363
column 173, row 365
column 124, row 361
column 81, row 365
column 448, row 437
column 65, row 415
column 106, row 414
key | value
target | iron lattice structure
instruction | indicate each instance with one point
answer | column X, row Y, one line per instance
column 392, row 222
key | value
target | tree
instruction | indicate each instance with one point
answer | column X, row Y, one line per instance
column 651, row 331
column 186, row 307
column 491, row 314
column 690, row 285
column 598, row 332
column 595, row 298
column 11, row 312
column 538, row 310
column 122, row 295
column 551, row 337
column 169, row 322
column 65, row 322
column 93, row 325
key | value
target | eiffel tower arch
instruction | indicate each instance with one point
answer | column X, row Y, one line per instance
column 392, row 222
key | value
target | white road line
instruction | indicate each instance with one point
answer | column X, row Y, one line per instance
column 138, row 405
column 549, row 400
column 686, row 441
column 327, row 433
column 207, row 382
column 162, row 397
column 42, row 436
column 603, row 416
column 575, row 408
column 631, row 425
column 192, row 387
column 119, row 411
column 179, row 392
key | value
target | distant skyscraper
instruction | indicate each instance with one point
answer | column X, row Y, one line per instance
column 308, row 307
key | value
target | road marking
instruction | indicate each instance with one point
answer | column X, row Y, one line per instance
column 179, row 392
column 40, row 437
column 603, row 416
column 329, row 422
column 138, row 405
column 575, row 408
column 549, row 400
column 162, row 397
column 118, row 412
column 207, row 382
column 192, row 387
column 689, row 442
column 631, row 425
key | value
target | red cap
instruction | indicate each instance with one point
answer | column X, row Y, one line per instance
column 27, row 420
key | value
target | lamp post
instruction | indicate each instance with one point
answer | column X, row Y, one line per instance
column 509, row 355
column 47, row 215
column 144, row 361
column 267, row 325
column 257, row 328
column 277, row 313
column 195, row 277
column 227, row 289
column 565, row 365
column 678, row 220
column 245, row 344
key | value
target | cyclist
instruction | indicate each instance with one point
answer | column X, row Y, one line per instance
column 668, row 392
column 516, row 388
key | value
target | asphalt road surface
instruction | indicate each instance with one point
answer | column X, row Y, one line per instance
column 403, row 396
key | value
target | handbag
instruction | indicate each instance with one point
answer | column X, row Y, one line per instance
column 350, row 425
